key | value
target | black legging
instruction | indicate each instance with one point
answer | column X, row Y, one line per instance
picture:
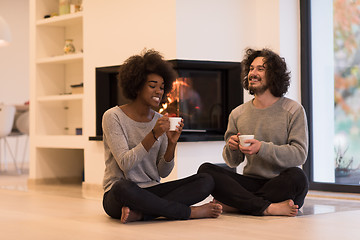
column 251, row 195
column 170, row 199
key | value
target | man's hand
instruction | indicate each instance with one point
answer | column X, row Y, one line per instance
column 234, row 143
column 254, row 148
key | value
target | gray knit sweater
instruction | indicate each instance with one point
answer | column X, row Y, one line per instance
column 126, row 157
column 283, row 132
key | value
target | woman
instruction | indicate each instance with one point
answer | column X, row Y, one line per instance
column 139, row 150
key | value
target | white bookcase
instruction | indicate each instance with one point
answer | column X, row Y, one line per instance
column 56, row 150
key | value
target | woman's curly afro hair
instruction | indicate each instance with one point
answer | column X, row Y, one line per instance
column 133, row 73
column 277, row 76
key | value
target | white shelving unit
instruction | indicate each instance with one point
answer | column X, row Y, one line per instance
column 57, row 152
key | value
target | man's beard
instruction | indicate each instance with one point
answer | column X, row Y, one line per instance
column 259, row 89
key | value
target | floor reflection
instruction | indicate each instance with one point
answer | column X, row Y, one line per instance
column 314, row 205
column 12, row 180
column 353, row 177
column 316, row 202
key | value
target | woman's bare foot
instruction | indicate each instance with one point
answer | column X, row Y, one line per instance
column 129, row 216
column 208, row 210
column 226, row 208
column 285, row 208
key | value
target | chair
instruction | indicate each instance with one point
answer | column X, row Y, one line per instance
column 7, row 115
column 22, row 124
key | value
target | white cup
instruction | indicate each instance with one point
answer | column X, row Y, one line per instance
column 174, row 122
column 242, row 139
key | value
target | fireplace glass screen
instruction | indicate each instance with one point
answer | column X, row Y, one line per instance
column 196, row 97
column 204, row 94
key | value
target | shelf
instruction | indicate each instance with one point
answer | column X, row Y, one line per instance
column 57, row 115
column 61, row 141
column 61, row 21
column 67, row 97
column 62, row 59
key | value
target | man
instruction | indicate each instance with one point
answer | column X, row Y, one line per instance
column 272, row 183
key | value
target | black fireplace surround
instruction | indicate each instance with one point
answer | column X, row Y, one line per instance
column 204, row 94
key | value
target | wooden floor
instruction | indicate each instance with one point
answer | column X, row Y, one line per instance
column 61, row 212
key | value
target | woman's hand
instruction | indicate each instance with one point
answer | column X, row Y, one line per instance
column 162, row 125
column 173, row 136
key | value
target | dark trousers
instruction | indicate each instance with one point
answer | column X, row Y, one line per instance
column 170, row 199
column 251, row 195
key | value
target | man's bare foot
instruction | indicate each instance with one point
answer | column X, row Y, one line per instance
column 208, row 210
column 129, row 216
column 285, row 208
column 226, row 208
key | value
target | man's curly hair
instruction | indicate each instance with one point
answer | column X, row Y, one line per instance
column 133, row 73
column 277, row 76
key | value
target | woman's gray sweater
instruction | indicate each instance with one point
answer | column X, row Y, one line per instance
column 126, row 157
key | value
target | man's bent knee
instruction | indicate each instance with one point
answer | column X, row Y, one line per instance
column 205, row 167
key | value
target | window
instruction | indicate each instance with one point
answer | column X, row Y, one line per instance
column 330, row 59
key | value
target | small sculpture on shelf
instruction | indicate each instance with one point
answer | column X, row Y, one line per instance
column 69, row 46
column 77, row 88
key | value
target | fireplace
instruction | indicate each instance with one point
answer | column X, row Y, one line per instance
column 204, row 94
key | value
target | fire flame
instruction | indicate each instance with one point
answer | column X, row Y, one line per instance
column 171, row 106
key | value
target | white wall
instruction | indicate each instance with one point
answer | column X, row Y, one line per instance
column 275, row 24
column 208, row 30
column 182, row 29
column 113, row 32
column 289, row 15
column 14, row 68
column 14, row 59
column 212, row 29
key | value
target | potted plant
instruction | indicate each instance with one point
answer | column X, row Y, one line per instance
column 342, row 165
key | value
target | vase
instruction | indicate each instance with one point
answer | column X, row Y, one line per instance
column 342, row 172
column 64, row 7
column 69, row 46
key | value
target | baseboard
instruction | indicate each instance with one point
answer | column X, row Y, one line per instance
column 59, row 180
column 334, row 195
column 91, row 190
